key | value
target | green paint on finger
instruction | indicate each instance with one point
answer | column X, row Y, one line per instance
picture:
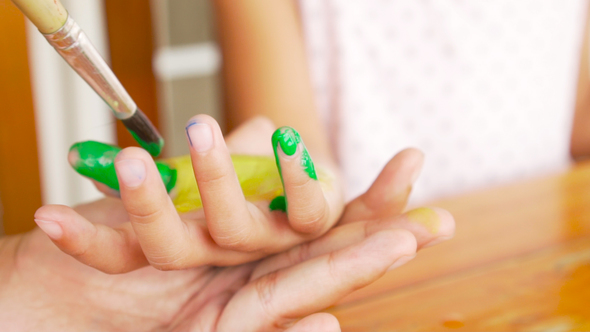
column 97, row 161
column 289, row 139
column 168, row 174
column 278, row 203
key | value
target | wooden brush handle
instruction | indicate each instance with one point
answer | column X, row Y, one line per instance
column 47, row 15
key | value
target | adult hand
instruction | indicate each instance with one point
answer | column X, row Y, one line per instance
column 43, row 288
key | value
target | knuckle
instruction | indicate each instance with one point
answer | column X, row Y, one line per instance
column 213, row 177
column 265, row 290
column 299, row 182
column 169, row 262
column 333, row 270
column 145, row 216
column 240, row 241
column 308, row 219
column 81, row 249
column 299, row 254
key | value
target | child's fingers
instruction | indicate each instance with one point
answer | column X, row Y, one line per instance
column 233, row 223
column 162, row 234
column 428, row 225
column 389, row 194
column 96, row 161
column 305, row 203
column 276, row 299
column 102, row 247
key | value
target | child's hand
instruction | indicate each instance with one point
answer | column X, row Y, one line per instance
column 228, row 230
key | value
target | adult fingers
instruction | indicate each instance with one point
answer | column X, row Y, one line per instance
column 111, row 250
column 428, row 225
column 304, row 201
column 389, row 194
column 276, row 299
column 233, row 223
column 164, row 238
column 317, row 322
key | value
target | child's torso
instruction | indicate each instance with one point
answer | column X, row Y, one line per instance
column 485, row 88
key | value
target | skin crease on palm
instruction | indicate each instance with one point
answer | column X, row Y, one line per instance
column 45, row 289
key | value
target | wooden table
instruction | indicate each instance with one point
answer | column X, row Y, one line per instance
column 520, row 261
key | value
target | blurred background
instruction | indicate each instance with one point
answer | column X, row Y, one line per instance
column 164, row 53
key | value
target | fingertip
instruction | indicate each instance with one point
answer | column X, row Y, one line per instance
column 132, row 152
column 73, row 155
column 321, row 321
column 435, row 220
column 446, row 227
column 204, row 118
column 59, row 222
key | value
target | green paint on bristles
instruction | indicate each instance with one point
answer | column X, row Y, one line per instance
column 97, row 161
column 152, row 147
column 289, row 139
column 278, row 203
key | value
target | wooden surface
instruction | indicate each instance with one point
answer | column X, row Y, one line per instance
column 20, row 188
column 520, row 261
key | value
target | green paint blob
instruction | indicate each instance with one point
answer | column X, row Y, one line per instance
column 289, row 139
column 278, row 203
column 97, row 161
column 168, row 174
column 153, row 148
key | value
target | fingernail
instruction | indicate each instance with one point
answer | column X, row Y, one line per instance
column 401, row 261
column 288, row 139
column 426, row 217
column 51, row 228
column 199, row 136
column 131, row 172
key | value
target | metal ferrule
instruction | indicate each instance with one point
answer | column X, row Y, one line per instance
column 73, row 45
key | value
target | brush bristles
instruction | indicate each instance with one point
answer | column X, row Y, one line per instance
column 144, row 133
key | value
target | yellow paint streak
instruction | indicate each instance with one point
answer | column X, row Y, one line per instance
column 258, row 177
column 425, row 217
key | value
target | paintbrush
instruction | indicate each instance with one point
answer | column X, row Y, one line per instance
column 60, row 30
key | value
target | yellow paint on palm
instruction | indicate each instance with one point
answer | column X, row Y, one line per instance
column 258, row 176
column 425, row 217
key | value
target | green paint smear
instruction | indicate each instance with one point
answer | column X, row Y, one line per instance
column 97, row 161
column 289, row 139
column 278, row 203
column 153, row 148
